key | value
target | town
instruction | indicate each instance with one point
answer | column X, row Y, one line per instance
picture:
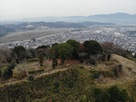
column 124, row 36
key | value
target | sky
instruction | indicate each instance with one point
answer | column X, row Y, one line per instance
column 18, row 9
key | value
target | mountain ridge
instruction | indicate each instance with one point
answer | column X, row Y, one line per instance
column 117, row 18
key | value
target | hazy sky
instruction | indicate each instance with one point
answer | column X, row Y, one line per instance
column 16, row 9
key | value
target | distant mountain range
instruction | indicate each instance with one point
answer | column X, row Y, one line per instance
column 117, row 18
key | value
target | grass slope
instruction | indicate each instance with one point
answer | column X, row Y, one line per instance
column 76, row 83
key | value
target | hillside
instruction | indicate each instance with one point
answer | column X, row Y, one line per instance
column 75, row 82
column 128, row 65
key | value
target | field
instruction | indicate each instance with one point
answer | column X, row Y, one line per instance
column 26, row 35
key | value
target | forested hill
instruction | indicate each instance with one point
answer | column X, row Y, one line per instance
column 4, row 30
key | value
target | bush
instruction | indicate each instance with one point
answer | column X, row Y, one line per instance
column 54, row 62
column 30, row 77
column 7, row 73
column 56, row 87
column 100, row 95
column 81, row 59
column 12, row 64
column 118, row 70
column 112, row 94
column 81, row 67
column 96, row 75
column 0, row 72
column 35, row 71
column 92, row 61
column 84, row 98
column 109, row 73
column 116, row 95
column 71, row 78
column 20, row 74
column 33, row 60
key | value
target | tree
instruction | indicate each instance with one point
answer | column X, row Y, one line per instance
column 54, row 62
column 64, row 50
column 92, row 47
column 46, row 50
column 108, row 46
column 31, row 53
column 7, row 72
column 43, row 47
column 5, row 56
column 109, row 57
column 55, row 44
column 76, row 47
column 19, row 53
column 92, row 60
column 41, row 56
column 2, row 57
column 82, row 57
column 53, row 51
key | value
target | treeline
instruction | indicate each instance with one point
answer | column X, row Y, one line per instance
column 89, row 52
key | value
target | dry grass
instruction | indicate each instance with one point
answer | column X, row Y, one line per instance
column 129, row 71
column 129, row 68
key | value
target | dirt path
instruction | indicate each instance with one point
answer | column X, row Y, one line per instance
column 44, row 74
column 124, row 61
column 51, row 72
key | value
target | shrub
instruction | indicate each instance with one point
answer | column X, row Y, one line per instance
column 7, row 73
column 112, row 94
column 118, row 70
column 81, row 67
column 20, row 74
column 12, row 64
column 100, row 95
column 56, row 87
column 54, row 62
column 81, row 59
column 84, row 98
column 33, row 60
column 116, row 95
column 96, row 75
column 109, row 73
column 109, row 57
column 41, row 56
column 92, row 61
column 71, row 78
column 35, row 71
column 30, row 77
column 0, row 72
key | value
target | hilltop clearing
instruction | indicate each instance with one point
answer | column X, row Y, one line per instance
column 76, row 82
